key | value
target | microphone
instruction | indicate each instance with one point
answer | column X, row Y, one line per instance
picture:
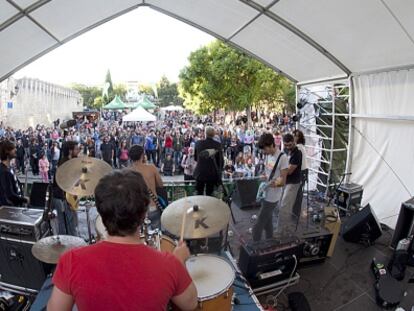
column 68, row 123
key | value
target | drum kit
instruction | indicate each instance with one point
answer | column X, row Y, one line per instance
column 194, row 217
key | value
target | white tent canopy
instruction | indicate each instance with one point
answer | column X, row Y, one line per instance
column 172, row 108
column 139, row 115
column 305, row 40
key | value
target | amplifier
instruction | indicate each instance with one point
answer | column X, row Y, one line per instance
column 22, row 224
column 315, row 246
column 270, row 261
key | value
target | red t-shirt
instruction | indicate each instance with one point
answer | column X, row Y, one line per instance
column 114, row 276
column 168, row 142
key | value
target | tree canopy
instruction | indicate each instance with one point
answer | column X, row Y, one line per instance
column 219, row 76
column 168, row 93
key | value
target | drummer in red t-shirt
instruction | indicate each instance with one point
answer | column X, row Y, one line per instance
column 121, row 273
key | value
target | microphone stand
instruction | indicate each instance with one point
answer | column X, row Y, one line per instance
column 47, row 213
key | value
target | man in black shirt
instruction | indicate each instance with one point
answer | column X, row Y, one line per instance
column 293, row 180
column 209, row 157
column 10, row 192
column 20, row 157
column 107, row 151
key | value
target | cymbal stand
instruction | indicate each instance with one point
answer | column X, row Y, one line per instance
column 91, row 238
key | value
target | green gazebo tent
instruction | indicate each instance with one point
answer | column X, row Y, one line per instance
column 116, row 104
column 145, row 103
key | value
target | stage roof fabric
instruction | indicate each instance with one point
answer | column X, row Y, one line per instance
column 305, row 40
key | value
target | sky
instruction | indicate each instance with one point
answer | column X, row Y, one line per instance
column 141, row 45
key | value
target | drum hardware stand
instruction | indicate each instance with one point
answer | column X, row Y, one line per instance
column 48, row 211
column 91, row 238
column 228, row 200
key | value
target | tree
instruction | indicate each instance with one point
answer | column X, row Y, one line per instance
column 146, row 89
column 220, row 76
column 120, row 90
column 168, row 93
column 89, row 93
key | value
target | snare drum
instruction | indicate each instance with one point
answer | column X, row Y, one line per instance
column 162, row 242
column 213, row 277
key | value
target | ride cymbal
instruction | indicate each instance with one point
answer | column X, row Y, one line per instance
column 50, row 249
column 205, row 216
column 79, row 176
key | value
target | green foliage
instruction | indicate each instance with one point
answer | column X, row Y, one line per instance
column 98, row 102
column 89, row 93
column 168, row 93
column 120, row 90
column 146, row 89
column 219, row 76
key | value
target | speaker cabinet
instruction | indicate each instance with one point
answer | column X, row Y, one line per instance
column 405, row 223
column 362, row 227
column 244, row 195
column 38, row 195
column 315, row 247
column 18, row 268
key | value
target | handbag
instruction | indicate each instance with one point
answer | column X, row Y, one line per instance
column 261, row 192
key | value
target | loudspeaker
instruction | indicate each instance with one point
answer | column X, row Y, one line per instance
column 19, row 268
column 362, row 227
column 38, row 195
column 405, row 222
column 315, row 246
column 267, row 262
column 244, row 195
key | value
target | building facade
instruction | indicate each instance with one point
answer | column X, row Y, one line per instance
column 27, row 102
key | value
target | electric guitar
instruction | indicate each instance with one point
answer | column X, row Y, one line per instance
column 73, row 201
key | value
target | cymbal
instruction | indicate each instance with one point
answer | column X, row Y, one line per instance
column 205, row 216
column 79, row 176
column 50, row 249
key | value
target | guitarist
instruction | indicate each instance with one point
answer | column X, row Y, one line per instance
column 10, row 192
column 67, row 217
column 276, row 168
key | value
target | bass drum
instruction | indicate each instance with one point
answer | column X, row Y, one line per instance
column 163, row 242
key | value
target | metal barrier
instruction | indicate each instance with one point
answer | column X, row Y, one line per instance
column 180, row 189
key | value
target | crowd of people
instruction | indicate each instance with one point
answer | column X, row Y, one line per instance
column 168, row 143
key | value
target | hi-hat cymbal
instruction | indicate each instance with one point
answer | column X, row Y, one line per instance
column 205, row 216
column 79, row 176
column 50, row 249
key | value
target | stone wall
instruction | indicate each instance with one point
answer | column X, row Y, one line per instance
column 36, row 102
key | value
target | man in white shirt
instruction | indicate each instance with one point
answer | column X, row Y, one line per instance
column 273, row 192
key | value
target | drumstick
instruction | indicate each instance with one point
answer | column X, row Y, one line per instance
column 183, row 226
column 183, row 223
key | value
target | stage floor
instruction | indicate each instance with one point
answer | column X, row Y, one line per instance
column 343, row 282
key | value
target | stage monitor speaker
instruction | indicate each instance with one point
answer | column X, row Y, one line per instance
column 405, row 223
column 362, row 227
column 38, row 195
column 18, row 268
column 244, row 195
column 268, row 262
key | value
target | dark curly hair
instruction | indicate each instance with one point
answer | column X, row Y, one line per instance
column 300, row 138
column 266, row 140
column 6, row 147
column 122, row 200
